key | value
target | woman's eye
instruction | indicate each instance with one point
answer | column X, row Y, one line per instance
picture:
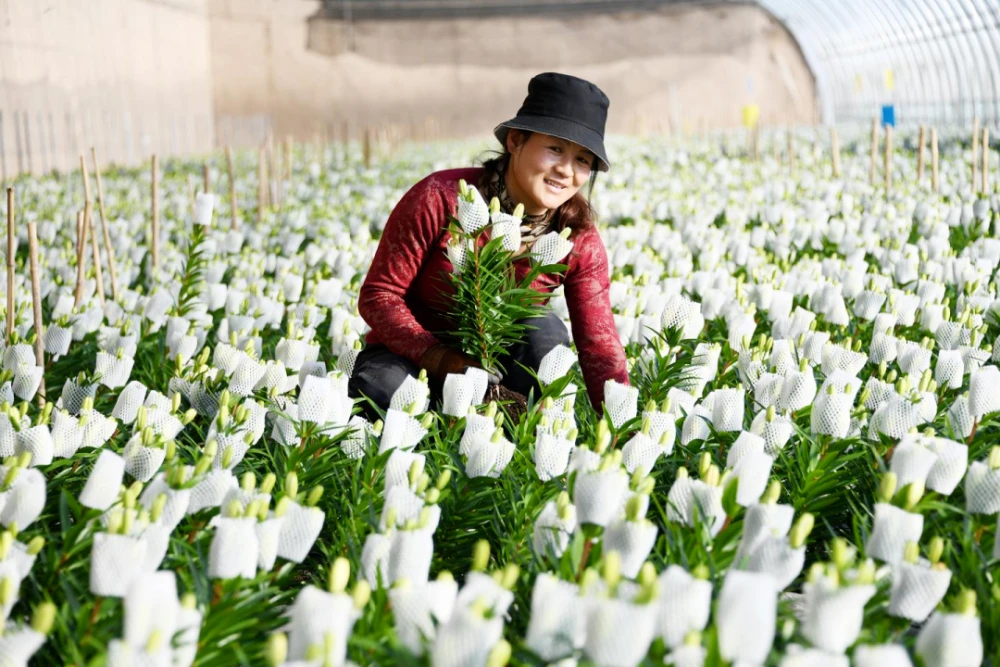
column 555, row 148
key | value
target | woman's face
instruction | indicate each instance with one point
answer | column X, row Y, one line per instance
column 545, row 171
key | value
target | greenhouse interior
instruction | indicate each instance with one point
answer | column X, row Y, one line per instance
column 473, row 333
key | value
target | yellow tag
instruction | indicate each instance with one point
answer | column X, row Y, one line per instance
column 890, row 79
column 751, row 113
column 858, row 83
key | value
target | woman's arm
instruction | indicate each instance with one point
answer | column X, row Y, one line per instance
column 410, row 232
column 600, row 350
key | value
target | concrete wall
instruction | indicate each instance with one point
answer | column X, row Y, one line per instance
column 131, row 77
column 676, row 68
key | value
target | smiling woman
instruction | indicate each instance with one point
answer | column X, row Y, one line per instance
column 552, row 147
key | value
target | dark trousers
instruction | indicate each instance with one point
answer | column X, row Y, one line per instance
column 378, row 372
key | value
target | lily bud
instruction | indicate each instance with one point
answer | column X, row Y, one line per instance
column 340, row 575
column 914, row 492
column 35, row 546
column 277, row 649
column 611, row 569
column 887, row 487
column 993, row 460
column 772, row 493
column 43, row 618
column 500, row 654
column 292, row 485
column 800, row 531
column 314, row 495
column 965, row 603
column 361, row 594
column 480, row 556
column 935, row 550
column 911, row 553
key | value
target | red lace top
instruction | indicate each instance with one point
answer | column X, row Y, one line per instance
column 405, row 293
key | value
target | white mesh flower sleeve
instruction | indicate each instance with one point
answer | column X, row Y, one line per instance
column 833, row 615
column 457, row 395
column 406, row 504
column 551, row 456
column 466, row 639
column 25, row 499
column 775, row 556
column 410, row 553
column 619, row 632
column 552, row 532
column 950, row 369
column 36, row 441
column 551, row 248
column 397, row 468
column 892, row 529
column 104, row 482
column 762, row 521
column 745, row 443
column 472, row 215
column 557, row 624
column 150, row 606
column 17, row 645
column 488, row 458
column 707, row 502
column 401, row 431
column 950, row 640
column 884, row 655
column 599, row 496
column 797, row 391
column 911, row 462
column 115, row 560
column 949, row 467
column 633, row 540
column 727, row 411
column 696, row 425
column 299, row 531
column 411, row 391
column 129, row 400
column 114, row 371
column 685, row 603
column 775, row 433
column 73, row 395
column 210, row 491
column 982, row 489
column 26, row 382
column 917, row 589
column 375, row 560
column 268, row 536
column 418, row 610
column 316, row 614
column 748, row 604
column 555, row 364
column 57, row 340
column 960, row 417
column 142, row 462
column 753, row 472
column 234, row 549
column 620, row 401
column 984, row 391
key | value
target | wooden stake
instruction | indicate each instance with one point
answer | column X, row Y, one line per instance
column 155, row 230
column 367, row 147
column 920, row 154
column 975, row 154
column 81, row 256
column 934, row 160
column 10, row 262
column 888, row 159
column 36, row 304
column 874, row 152
column 835, row 149
column 232, row 188
column 206, row 184
column 88, row 219
column 986, row 162
column 104, row 228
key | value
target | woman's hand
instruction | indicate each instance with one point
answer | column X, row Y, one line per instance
column 440, row 360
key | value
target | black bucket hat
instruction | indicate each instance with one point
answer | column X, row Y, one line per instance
column 563, row 106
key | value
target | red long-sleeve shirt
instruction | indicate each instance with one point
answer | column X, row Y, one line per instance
column 401, row 298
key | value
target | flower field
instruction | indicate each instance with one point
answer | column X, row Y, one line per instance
column 803, row 471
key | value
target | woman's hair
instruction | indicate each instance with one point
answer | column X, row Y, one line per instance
column 576, row 213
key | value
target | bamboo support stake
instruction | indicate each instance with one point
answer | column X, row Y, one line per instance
column 975, row 154
column 88, row 219
column 986, row 162
column 888, row 159
column 10, row 262
column 934, row 160
column 81, row 256
column 36, row 304
column 367, row 148
column 835, row 150
column 155, row 230
column 921, row 142
column 206, row 184
column 235, row 224
column 874, row 151
column 104, row 228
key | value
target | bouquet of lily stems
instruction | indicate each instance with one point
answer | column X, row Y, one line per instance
column 492, row 306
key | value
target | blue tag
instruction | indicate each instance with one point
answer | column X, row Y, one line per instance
column 889, row 115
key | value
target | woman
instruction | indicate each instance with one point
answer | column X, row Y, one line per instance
column 552, row 147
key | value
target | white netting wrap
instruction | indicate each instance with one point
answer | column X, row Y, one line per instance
column 748, row 604
column 488, row 455
column 36, row 441
column 25, row 500
column 246, row 376
column 762, row 521
column 57, row 340
column 457, row 395
column 950, row 640
column 745, row 443
column 917, row 589
column 104, row 482
column 8, row 436
column 73, row 395
column 316, row 614
column 551, row 455
column 599, row 496
column 892, row 529
column 896, row 417
column 472, row 215
column 775, row 433
column 115, row 560
column 884, row 348
column 950, row 369
column 911, row 462
column 129, row 401
column 950, row 466
column 466, row 639
column 299, row 531
column 984, row 391
column 177, row 500
column 375, row 560
column 404, row 502
column 776, row 557
column 685, row 603
column 641, row 451
column 211, row 490
column 982, row 489
column 696, row 425
column 620, row 402
column 706, row 500
column 551, row 531
column 633, row 540
column 619, row 632
column 400, row 431
column 557, row 625
column 26, row 382
column 833, row 615
column 234, row 548
column 397, row 468
column 727, row 410
column 555, row 364
column 410, row 554
column 551, row 248
column 411, row 391
column 142, row 462
column 418, row 610
column 475, row 425
column 960, row 418
column 886, row 655
column 767, row 391
column 797, row 391
column 753, row 472
column 17, row 645
column 868, row 304
column 114, row 372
